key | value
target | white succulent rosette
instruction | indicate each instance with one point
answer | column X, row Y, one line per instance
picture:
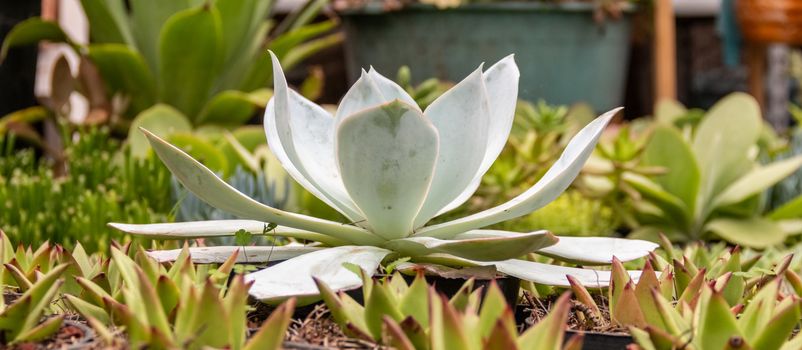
column 390, row 167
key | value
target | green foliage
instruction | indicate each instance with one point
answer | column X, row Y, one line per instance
column 202, row 58
column 20, row 320
column 571, row 214
column 159, row 307
column 713, row 183
column 539, row 134
column 424, row 93
column 31, row 281
column 175, row 307
column 416, row 316
column 708, row 322
column 791, row 187
column 100, row 184
column 704, row 297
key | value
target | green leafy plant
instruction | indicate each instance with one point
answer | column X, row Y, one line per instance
column 389, row 168
column 713, row 185
column 416, row 316
column 101, row 184
column 173, row 308
column 204, row 58
column 603, row 176
column 709, row 322
column 21, row 321
column 424, row 93
column 37, row 276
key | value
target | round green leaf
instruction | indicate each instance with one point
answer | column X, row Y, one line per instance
column 228, row 108
column 201, row 150
column 161, row 120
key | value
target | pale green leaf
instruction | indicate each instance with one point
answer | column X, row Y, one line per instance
column 190, row 58
column 161, row 120
column 757, row 181
column 293, row 278
column 722, row 141
column 667, row 149
column 597, row 250
column 551, row 185
column 386, row 156
column 245, row 254
column 208, row 187
column 461, row 117
column 749, row 232
column 32, row 31
column 484, row 245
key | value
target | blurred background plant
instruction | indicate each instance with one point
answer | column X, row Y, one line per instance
column 100, row 184
column 142, row 69
column 714, row 186
column 208, row 60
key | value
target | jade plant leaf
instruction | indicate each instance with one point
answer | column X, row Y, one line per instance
column 125, row 71
column 228, row 108
column 108, row 21
column 758, row 180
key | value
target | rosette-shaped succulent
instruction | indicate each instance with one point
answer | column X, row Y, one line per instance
column 390, row 167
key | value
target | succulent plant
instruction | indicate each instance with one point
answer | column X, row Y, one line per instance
column 142, row 53
column 175, row 308
column 416, row 316
column 21, row 320
column 713, row 185
column 389, row 168
column 709, row 323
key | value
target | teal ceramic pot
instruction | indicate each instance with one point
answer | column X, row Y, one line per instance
column 564, row 55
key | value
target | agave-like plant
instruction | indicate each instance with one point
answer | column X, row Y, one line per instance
column 390, row 167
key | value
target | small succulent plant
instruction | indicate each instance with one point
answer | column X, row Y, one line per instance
column 21, row 320
column 709, row 323
column 416, row 316
column 175, row 308
column 390, row 167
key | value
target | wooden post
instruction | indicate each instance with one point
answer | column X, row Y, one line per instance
column 756, row 63
column 665, row 50
column 50, row 10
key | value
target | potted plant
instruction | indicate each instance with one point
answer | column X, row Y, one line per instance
column 562, row 43
column 374, row 161
column 770, row 21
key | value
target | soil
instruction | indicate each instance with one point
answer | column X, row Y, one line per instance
column 531, row 310
column 73, row 334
